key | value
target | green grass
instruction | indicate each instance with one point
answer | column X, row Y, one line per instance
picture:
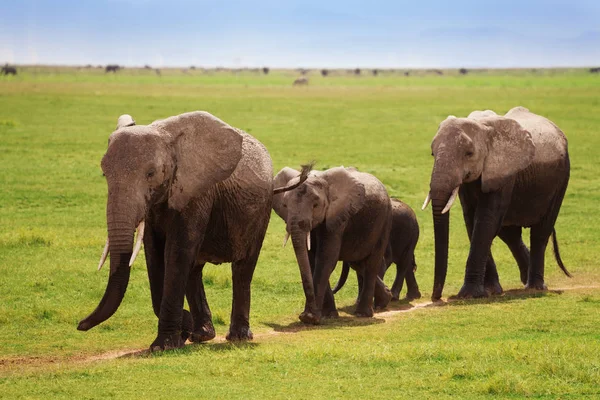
column 54, row 124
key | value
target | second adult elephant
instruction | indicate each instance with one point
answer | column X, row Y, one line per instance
column 510, row 172
column 336, row 215
column 404, row 236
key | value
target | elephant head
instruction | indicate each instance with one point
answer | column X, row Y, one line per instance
column 485, row 147
column 326, row 199
column 167, row 162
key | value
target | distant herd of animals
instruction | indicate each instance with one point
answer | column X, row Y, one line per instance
column 197, row 190
column 302, row 80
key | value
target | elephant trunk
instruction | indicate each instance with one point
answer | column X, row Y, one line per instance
column 299, row 241
column 441, row 227
column 120, row 238
column 444, row 186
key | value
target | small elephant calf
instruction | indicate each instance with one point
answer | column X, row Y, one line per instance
column 400, row 251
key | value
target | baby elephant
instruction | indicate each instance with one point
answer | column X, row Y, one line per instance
column 326, row 217
column 400, row 251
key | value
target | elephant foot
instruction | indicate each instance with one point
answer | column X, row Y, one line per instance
column 537, row 285
column 494, row 288
column 309, row 318
column 167, row 342
column 366, row 312
column 204, row 333
column 241, row 334
column 413, row 295
column 382, row 301
column 472, row 291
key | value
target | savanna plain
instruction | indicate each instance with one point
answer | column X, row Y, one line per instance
column 54, row 125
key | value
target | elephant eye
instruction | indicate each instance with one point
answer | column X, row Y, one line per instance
column 315, row 205
column 285, row 206
column 151, row 173
column 469, row 153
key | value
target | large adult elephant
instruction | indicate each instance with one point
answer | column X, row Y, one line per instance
column 404, row 236
column 510, row 172
column 336, row 215
column 199, row 191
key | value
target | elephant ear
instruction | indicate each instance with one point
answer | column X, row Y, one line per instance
column 346, row 197
column 510, row 150
column 281, row 180
column 206, row 151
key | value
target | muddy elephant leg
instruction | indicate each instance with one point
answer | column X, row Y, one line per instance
column 512, row 236
column 242, row 272
column 154, row 249
column 203, row 328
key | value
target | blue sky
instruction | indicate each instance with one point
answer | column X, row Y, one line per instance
column 308, row 33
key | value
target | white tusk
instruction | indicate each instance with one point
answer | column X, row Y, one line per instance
column 285, row 240
column 138, row 243
column 308, row 240
column 426, row 202
column 450, row 200
column 104, row 254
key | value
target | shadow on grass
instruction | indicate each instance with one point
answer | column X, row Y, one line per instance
column 326, row 323
column 191, row 348
column 508, row 296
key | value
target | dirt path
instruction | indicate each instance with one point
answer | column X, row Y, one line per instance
column 44, row 362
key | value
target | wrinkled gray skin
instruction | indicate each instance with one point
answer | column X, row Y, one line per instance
column 512, row 172
column 348, row 216
column 400, row 250
column 204, row 190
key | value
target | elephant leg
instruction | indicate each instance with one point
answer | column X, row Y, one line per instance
column 203, row 328
column 325, row 262
column 370, row 268
column 183, row 241
column 154, row 249
column 360, row 281
column 512, row 236
column 242, row 272
column 483, row 225
column 412, row 286
column 398, row 282
column 382, row 295
column 491, row 281
column 329, row 307
column 539, row 241
column 540, row 233
column 180, row 259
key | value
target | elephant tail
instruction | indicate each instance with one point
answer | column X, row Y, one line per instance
column 557, row 254
column 303, row 176
column 343, row 277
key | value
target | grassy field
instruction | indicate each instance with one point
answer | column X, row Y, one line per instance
column 54, row 125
